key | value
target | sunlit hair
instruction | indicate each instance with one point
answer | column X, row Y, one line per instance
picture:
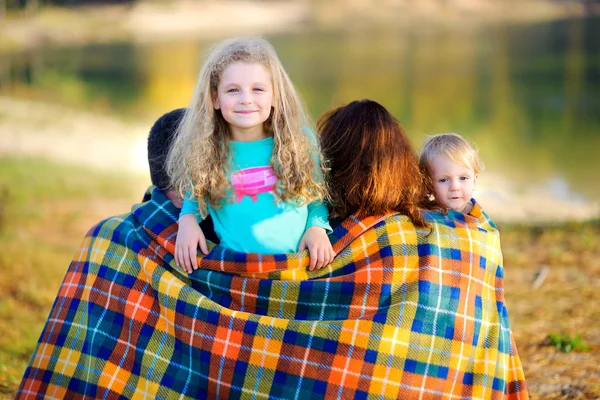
column 373, row 167
column 454, row 147
column 200, row 153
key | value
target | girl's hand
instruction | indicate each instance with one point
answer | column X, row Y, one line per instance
column 189, row 236
column 319, row 248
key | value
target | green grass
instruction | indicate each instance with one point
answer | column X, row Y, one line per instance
column 566, row 343
column 45, row 211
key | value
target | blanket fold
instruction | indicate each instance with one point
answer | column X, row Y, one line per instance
column 400, row 313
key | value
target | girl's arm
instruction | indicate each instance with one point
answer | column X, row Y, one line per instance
column 317, row 224
column 318, row 215
column 315, row 236
column 189, row 235
column 190, row 206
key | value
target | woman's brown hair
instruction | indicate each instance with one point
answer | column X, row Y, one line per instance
column 373, row 167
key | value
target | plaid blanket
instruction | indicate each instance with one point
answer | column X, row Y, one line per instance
column 400, row 313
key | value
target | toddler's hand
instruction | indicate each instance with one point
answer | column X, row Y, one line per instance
column 189, row 236
column 319, row 248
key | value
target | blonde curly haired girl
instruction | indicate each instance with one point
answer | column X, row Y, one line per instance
column 245, row 155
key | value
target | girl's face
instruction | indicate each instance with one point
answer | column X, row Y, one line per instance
column 245, row 98
column 453, row 183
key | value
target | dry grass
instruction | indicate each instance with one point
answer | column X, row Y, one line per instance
column 566, row 302
column 45, row 210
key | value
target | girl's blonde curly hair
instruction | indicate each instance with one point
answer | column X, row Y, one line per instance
column 199, row 160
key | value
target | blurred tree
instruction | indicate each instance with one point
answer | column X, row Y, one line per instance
column 33, row 5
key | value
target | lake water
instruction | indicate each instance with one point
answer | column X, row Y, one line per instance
column 528, row 95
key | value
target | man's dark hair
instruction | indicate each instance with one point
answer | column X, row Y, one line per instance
column 159, row 143
column 160, row 138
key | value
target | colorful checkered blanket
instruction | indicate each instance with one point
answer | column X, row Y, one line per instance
column 400, row 313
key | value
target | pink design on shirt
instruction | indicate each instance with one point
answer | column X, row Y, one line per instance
column 252, row 181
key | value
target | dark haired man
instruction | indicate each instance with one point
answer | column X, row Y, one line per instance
column 160, row 139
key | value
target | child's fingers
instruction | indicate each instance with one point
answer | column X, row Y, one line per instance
column 302, row 246
column 322, row 258
column 313, row 259
column 180, row 259
column 319, row 258
column 327, row 257
column 203, row 246
column 183, row 259
column 192, row 251
column 331, row 255
column 188, row 259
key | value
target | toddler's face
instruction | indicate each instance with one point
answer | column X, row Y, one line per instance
column 453, row 183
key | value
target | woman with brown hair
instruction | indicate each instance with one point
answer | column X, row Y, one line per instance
column 451, row 335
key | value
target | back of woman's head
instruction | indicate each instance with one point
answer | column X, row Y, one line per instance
column 373, row 167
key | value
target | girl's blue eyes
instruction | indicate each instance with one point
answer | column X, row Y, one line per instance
column 232, row 90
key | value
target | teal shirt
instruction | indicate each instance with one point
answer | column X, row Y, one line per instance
column 251, row 220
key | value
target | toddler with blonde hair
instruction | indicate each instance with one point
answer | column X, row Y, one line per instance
column 451, row 167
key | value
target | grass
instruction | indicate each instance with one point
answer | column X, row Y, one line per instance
column 564, row 302
column 566, row 343
column 46, row 208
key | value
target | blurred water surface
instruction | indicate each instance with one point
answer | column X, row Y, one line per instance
column 527, row 94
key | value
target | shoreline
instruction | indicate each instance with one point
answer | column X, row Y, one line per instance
column 148, row 22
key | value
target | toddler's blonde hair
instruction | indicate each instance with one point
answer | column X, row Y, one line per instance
column 454, row 147
column 199, row 158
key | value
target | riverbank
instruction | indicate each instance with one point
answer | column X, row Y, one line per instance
column 150, row 21
column 153, row 21
column 73, row 137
